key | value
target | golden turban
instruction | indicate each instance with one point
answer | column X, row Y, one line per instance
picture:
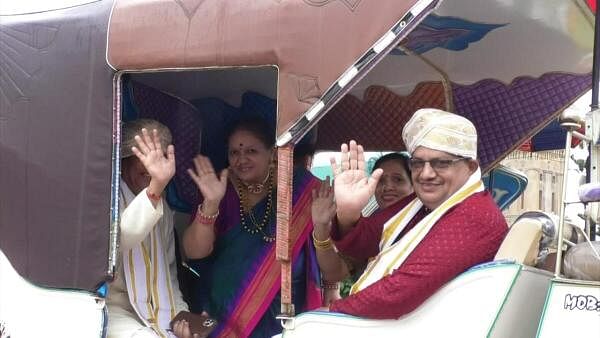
column 440, row 130
column 130, row 129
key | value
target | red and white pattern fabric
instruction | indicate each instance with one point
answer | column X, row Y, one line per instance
column 468, row 234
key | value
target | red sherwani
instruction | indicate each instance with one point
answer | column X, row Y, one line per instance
column 468, row 234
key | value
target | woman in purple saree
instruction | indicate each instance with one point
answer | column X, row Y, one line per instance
column 233, row 235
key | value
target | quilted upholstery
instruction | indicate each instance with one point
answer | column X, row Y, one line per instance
column 219, row 116
column 185, row 124
column 507, row 115
column 378, row 119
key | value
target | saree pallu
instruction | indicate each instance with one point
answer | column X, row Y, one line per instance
column 240, row 282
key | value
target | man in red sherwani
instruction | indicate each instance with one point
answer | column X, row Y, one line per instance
column 425, row 240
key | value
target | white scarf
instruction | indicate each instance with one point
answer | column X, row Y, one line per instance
column 392, row 255
column 147, row 277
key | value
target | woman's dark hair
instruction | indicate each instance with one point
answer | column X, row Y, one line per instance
column 303, row 149
column 394, row 157
column 256, row 126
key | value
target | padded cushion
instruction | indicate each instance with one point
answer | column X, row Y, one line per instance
column 522, row 242
column 185, row 124
column 377, row 120
column 506, row 115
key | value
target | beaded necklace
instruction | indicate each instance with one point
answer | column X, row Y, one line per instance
column 257, row 227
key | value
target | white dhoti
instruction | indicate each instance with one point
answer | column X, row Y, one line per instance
column 124, row 324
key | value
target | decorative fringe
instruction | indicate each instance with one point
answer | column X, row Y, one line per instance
column 285, row 167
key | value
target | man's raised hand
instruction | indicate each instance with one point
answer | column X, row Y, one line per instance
column 160, row 167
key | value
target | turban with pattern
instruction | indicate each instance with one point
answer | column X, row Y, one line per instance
column 440, row 130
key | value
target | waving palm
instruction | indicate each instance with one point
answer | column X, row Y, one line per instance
column 149, row 151
column 352, row 186
column 211, row 187
column 323, row 207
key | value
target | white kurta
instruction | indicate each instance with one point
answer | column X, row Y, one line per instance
column 137, row 221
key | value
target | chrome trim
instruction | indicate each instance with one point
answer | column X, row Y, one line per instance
column 113, row 247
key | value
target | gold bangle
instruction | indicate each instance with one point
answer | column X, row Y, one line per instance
column 322, row 245
column 327, row 285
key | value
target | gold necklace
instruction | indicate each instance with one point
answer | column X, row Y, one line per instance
column 256, row 188
column 257, row 227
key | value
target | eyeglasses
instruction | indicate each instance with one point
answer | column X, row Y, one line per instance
column 436, row 164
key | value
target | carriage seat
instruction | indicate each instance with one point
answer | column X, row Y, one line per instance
column 495, row 300
column 522, row 242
